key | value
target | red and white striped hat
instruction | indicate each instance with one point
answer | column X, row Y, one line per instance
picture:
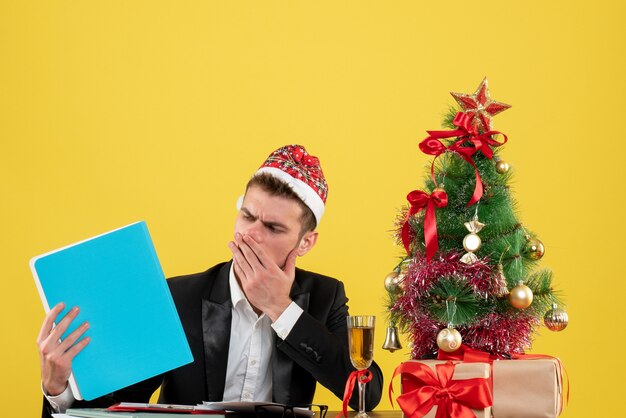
column 302, row 172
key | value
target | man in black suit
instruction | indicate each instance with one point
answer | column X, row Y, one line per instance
column 259, row 328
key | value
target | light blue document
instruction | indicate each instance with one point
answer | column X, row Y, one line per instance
column 117, row 281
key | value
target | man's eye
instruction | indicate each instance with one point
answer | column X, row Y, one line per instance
column 274, row 229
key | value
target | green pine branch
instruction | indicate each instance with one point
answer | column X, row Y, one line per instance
column 544, row 296
column 453, row 301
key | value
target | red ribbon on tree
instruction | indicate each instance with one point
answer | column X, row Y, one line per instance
column 419, row 200
column 357, row 375
column 453, row 398
column 468, row 135
column 466, row 354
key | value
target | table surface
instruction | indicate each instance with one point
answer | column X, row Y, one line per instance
column 373, row 414
column 330, row 414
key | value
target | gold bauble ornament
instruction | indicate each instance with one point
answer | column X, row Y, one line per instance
column 502, row 166
column 521, row 296
column 556, row 319
column 393, row 282
column 449, row 340
column 534, row 249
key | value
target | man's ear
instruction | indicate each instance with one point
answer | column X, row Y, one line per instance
column 307, row 242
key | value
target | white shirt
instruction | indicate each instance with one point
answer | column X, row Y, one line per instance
column 249, row 367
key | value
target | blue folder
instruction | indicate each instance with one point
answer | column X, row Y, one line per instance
column 117, row 281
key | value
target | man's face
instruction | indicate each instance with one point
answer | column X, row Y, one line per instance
column 273, row 222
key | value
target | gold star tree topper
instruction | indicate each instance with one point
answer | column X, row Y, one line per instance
column 480, row 106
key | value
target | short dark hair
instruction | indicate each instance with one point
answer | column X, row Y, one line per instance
column 276, row 187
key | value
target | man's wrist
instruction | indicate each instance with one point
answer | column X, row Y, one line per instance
column 277, row 310
column 62, row 401
column 53, row 390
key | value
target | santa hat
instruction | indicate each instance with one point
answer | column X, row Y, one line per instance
column 302, row 172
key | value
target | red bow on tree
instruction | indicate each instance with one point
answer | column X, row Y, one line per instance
column 470, row 142
column 453, row 398
column 418, row 201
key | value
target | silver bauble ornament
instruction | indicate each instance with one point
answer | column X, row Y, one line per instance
column 556, row 319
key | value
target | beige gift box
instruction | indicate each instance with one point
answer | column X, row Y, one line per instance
column 527, row 388
column 462, row 371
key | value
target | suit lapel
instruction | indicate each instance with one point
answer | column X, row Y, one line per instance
column 216, row 322
column 281, row 363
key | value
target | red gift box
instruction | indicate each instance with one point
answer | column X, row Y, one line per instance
column 435, row 388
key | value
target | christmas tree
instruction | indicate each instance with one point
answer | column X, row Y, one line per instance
column 471, row 271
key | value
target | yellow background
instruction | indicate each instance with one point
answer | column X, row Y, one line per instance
column 118, row 111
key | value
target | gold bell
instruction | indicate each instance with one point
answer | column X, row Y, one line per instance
column 392, row 342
